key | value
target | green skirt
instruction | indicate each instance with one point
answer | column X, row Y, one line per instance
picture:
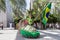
column 29, row 34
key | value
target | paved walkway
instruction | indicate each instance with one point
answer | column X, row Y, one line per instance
column 8, row 34
column 44, row 35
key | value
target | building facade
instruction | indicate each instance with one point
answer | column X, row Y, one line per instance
column 3, row 18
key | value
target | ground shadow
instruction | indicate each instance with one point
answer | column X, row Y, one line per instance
column 19, row 36
column 41, row 36
column 1, row 33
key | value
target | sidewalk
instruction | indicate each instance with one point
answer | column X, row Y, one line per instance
column 15, row 35
column 8, row 34
column 7, row 29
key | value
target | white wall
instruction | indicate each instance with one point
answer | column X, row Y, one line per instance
column 3, row 18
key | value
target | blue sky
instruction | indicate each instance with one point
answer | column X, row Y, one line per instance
column 28, row 4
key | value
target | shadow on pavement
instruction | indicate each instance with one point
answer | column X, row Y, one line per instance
column 1, row 33
column 19, row 36
column 42, row 36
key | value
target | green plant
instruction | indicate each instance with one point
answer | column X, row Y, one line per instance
column 52, row 19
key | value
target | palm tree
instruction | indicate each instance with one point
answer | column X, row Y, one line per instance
column 18, row 6
column 2, row 5
column 38, row 6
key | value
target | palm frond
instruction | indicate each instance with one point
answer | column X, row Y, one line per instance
column 2, row 5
